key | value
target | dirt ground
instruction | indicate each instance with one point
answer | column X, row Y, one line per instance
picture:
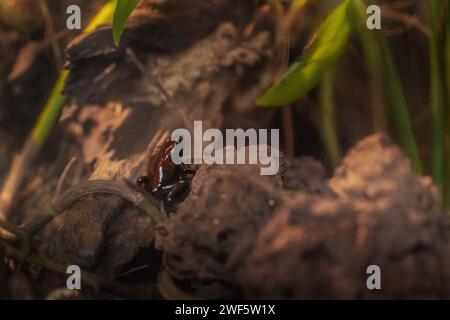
column 310, row 231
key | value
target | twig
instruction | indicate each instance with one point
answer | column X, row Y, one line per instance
column 123, row 190
column 172, row 103
column 15, row 177
column 69, row 197
column 408, row 20
column 133, row 270
column 50, row 36
column 63, row 177
column 16, row 233
column 88, row 278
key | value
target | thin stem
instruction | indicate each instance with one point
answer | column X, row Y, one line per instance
column 50, row 114
column 374, row 64
column 69, row 197
column 329, row 132
column 88, row 278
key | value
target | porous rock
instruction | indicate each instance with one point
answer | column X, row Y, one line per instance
column 227, row 205
column 382, row 214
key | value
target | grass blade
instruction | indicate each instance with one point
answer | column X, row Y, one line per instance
column 105, row 15
column 437, row 98
column 397, row 100
column 387, row 83
column 374, row 66
column 123, row 10
column 302, row 76
column 329, row 132
column 51, row 111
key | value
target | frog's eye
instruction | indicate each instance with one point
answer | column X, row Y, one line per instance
column 143, row 182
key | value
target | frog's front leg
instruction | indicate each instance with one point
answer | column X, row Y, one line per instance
column 178, row 190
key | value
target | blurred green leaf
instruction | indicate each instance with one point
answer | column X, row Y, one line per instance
column 124, row 8
column 305, row 74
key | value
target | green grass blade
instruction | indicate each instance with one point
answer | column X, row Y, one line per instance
column 105, row 15
column 51, row 111
column 437, row 98
column 305, row 74
column 329, row 132
column 374, row 66
column 447, row 109
column 386, row 83
column 124, row 9
column 397, row 101
column 447, row 56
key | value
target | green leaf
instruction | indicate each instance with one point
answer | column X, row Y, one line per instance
column 124, row 8
column 305, row 74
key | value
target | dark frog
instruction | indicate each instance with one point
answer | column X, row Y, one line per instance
column 165, row 180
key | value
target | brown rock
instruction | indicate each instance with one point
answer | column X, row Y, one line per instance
column 320, row 247
column 227, row 206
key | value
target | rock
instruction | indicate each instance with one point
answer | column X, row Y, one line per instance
column 304, row 174
column 375, row 170
column 320, row 246
column 227, row 206
column 81, row 237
